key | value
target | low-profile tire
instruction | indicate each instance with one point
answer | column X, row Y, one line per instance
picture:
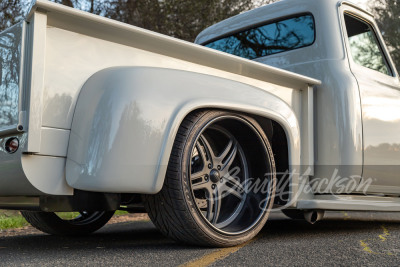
column 85, row 223
column 294, row 214
column 208, row 197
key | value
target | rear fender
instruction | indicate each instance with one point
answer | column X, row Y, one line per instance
column 126, row 120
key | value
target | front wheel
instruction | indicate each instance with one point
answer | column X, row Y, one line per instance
column 82, row 223
column 220, row 181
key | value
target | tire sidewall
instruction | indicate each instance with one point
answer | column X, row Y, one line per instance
column 216, row 236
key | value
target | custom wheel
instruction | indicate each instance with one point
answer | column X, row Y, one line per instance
column 220, row 181
column 82, row 223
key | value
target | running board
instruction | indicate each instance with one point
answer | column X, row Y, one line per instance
column 350, row 202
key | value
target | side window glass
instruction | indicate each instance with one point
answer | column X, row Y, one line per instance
column 364, row 47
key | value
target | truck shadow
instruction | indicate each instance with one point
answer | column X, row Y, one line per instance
column 143, row 236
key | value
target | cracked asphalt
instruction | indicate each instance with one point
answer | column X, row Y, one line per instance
column 344, row 238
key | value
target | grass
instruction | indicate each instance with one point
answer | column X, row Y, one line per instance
column 120, row 212
column 13, row 219
column 72, row 215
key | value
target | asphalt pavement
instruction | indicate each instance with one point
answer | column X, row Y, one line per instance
column 343, row 239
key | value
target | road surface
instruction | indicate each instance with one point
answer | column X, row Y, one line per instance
column 344, row 238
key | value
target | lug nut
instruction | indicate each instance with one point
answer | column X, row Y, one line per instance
column 213, row 186
column 222, row 180
column 219, row 167
column 209, row 165
column 206, row 178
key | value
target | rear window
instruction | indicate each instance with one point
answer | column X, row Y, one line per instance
column 280, row 36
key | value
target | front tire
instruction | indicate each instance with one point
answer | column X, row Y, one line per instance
column 207, row 198
column 84, row 223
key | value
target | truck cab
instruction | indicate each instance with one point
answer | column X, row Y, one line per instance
column 356, row 106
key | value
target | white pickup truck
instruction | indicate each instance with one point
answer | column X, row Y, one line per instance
column 292, row 106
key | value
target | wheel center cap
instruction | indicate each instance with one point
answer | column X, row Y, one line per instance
column 215, row 176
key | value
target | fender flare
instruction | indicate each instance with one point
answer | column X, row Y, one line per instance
column 126, row 120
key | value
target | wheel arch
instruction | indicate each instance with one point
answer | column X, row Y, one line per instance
column 119, row 108
column 282, row 140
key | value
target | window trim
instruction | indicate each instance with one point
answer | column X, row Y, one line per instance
column 265, row 23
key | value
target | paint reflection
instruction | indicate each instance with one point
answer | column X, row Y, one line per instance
column 10, row 52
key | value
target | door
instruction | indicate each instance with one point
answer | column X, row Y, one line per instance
column 380, row 101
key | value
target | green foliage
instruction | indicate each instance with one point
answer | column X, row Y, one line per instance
column 120, row 213
column 68, row 215
column 11, row 219
column 387, row 13
column 73, row 215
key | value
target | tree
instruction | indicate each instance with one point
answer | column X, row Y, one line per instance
column 387, row 13
column 183, row 19
column 91, row 6
column 186, row 19
column 178, row 18
column 10, row 50
column 11, row 11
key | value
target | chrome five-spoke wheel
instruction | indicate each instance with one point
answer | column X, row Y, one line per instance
column 220, row 181
column 218, row 177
